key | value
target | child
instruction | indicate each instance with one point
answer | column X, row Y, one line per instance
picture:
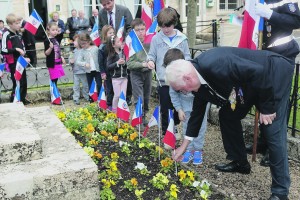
column 54, row 59
column 117, row 68
column 12, row 48
column 107, row 32
column 89, row 59
column 183, row 104
column 78, row 74
column 167, row 38
column 140, row 74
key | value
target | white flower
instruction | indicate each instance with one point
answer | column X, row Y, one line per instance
column 204, row 181
column 203, row 194
column 121, row 143
column 196, row 183
column 140, row 166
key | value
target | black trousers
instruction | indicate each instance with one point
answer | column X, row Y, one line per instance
column 31, row 53
column 23, row 83
column 98, row 79
column 165, row 105
column 109, row 90
column 129, row 87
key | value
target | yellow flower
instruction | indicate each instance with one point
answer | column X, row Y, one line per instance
column 80, row 144
column 86, row 111
column 89, row 117
column 125, row 125
column 61, row 116
column 141, row 145
column 104, row 133
column 93, row 142
column 134, row 181
column 173, row 191
column 113, row 166
column 159, row 149
column 82, row 117
column 164, row 163
column 114, row 155
column 90, row 128
column 97, row 155
column 191, row 175
column 115, row 138
column 133, row 136
column 120, row 131
column 182, row 175
column 112, row 182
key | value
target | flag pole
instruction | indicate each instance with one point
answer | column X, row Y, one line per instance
column 255, row 135
column 45, row 32
column 176, row 170
column 147, row 56
column 159, row 133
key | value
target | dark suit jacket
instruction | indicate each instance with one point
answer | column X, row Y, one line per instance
column 69, row 26
column 120, row 12
column 92, row 21
column 263, row 77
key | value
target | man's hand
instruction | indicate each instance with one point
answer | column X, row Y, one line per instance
column 181, row 115
column 151, row 64
column 263, row 10
column 266, row 119
column 176, row 155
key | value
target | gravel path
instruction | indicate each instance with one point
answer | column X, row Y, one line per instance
column 254, row 186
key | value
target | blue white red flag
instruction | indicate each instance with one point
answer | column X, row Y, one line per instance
column 249, row 34
column 33, row 22
column 95, row 35
column 20, row 66
column 147, row 13
column 132, row 45
column 170, row 138
column 123, row 111
column 138, row 113
column 2, row 66
column 55, row 95
column 93, row 91
column 102, row 102
column 17, row 97
column 121, row 29
column 151, row 32
column 154, row 120
column 157, row 6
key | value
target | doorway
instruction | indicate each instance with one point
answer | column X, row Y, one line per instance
column 41, row 7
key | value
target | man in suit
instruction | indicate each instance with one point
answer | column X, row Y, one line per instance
column 61, row 26
column 112, row 14
column 236, row 79
column 69, row 25
column 82, row 24
column 94, row 18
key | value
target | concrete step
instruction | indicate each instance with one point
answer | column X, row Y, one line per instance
column 64, row 172
column 19, row 141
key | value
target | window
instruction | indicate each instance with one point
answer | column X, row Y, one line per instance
column 226, row 5
column 197, row 11
column 137, row 6
column 89, row 5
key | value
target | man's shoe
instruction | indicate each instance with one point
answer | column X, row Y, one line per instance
column 242, row 167
column 278, row 197
column 26, row 102
column 265, row 161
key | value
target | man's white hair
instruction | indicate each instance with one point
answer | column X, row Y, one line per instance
column 175, row 72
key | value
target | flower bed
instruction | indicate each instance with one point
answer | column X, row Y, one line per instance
column 129, row 165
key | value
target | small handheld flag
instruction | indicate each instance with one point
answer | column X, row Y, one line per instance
column 93, row 91
column 121, row 29
column 20, row 66
column 123, row 111
column 95, row 35
column 132, row 45
column 2, row 65
column 151, row 32
column 102, row 102
column 138, row 113
column 153, row 120
column 170, row 138
column 55, row 95
column 17, row 97
column 33, row 22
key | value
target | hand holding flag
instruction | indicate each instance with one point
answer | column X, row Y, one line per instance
column 123, row 111
column 138, row 113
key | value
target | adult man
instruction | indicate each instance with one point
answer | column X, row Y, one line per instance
column 236, row 79
column 94, row 18
column 81, row 25
column 69, row 25
column 61, row 26
column 112, row 14
column 281, row 18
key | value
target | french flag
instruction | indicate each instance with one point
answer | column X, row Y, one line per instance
column 147, row 13
column 123, row 111
column 132, row 45
column 153, row 120
column 138, row 113
column 102, row 99
column 95, row 35
column 2, row 66
column 17, row 97
column 55, row 95
column 250, row 27
column 170, row 138
column 151, row 32
column 20, row 66
column 33, row 22
column 121, row 29
column 93, row 91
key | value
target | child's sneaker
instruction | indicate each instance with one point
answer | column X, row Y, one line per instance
column 187, row 157
column 197, row 158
